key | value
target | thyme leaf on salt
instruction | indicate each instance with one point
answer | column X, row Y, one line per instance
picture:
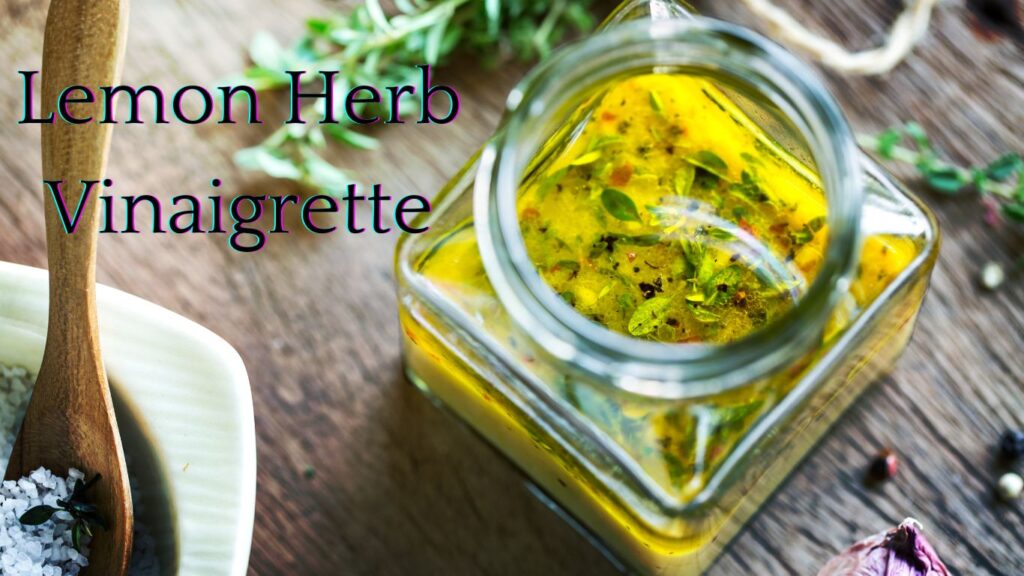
column 85, row 515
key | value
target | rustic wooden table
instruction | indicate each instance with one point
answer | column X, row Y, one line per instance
column 401, row 488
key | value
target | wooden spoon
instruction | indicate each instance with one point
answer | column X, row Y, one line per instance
column 70, row 420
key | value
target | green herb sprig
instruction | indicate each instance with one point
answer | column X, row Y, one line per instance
column 85, row 515
column 369, row 47
column 1000, row 183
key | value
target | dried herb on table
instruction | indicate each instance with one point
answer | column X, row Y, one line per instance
column 85, row 515
column 368, row 47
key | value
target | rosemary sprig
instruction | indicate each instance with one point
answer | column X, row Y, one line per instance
column 85, row 515
column 369, row 47
column 1000, row 183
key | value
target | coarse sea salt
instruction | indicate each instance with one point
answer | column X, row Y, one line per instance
column 46, row 549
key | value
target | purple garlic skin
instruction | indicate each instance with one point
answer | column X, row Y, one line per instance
column 902, row 551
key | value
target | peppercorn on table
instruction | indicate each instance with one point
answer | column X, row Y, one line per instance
column 357, row 469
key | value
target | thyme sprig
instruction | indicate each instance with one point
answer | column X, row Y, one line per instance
column 369, row 47
column 85, row 515
column 1000, row 183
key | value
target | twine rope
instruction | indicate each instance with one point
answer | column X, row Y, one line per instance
column 907, row 30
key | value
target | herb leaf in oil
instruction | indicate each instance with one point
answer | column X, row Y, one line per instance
column 649, row 315
column 619, row 205
column 711, row 162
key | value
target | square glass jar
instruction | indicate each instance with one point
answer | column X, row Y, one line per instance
column 660, row 452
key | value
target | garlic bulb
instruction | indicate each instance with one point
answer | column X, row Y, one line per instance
column 901, row 551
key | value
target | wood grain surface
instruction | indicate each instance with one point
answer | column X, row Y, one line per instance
column 400, row 487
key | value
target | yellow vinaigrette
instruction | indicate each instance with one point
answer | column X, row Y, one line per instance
column 672, row 217
column 711, row 230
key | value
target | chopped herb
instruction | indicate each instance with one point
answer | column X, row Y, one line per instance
column 648, row 316
column 802, row 236
column 571, row 265
column 704, row 315
column 619, row 205
column 728, row 276
column 711, row 162
column 641, row 240
column 588, row 158
column 656, row 102
column 569, row 297
column 720, row 234
column 748, row 188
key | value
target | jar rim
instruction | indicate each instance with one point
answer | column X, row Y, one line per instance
column 639, row 366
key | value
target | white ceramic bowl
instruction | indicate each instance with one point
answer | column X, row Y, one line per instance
column 189, row 394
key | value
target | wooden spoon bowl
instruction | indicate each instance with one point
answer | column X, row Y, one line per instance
column 70, row 420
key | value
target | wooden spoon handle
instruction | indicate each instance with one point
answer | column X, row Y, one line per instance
column 83, row 46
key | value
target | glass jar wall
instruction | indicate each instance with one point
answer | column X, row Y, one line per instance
column 662, row 279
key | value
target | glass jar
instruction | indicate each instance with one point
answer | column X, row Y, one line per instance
column 659, row 423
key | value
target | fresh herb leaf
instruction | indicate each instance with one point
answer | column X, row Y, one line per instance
column 704, row 315
column 588, row 158
column 1002, row 168
column 84, row 514
column 656, row 102
column 569, row 296
column 570, row 265
column 619, row 205
column 728, row 276
column 944, row 178
column 917, row 133
column 721, row 234
column 748, row 188
column 367, row 46
column 37, row 515
column 682, row 181
column 641, row 240
column 802, row 236
column 887, row 141
column 711, row 162
column 1014, row 211
column 649, row 315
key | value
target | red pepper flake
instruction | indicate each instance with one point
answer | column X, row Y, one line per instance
column 747, row 227
column 608, row 116
column 529, row 213
column 631, row 256
column 740, row 299
column 412, row 337
column 621, row 175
